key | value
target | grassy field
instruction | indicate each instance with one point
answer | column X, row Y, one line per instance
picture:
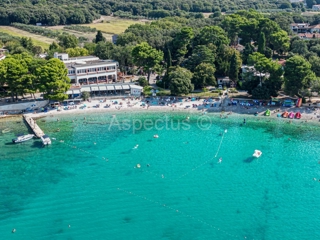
column 37, row 39
column 113, row 25
column 108, row 25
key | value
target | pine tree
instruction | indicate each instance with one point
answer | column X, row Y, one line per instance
column 262, row 43
column 169, row 60
column 100, row 37
column 248, row 49
column 234, row 68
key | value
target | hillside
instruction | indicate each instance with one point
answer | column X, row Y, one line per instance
column 60, row 12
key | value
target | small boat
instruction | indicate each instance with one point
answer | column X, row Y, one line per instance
column 6, row 130
column 267, row 113
column 46, row 140
column 22, row 138
column 291, row 115
column 257, row 153
column 298, row 115
column 285, row 114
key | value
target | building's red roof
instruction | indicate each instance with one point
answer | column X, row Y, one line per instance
column 309, row 35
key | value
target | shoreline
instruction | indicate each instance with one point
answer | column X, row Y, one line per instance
column 308, row 116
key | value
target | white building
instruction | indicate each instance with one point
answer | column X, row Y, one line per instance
column 136, row 90
column 316, row 7
column 299, row 27
column 315, row 28
column 89, row 69
column 99, row 77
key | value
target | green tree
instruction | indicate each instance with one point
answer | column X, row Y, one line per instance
column 14, row 71
column 213, row 34
column 146, row 56
column 142, row 81
column 36, row 50
column 54, row 80
column 68, row 41
column 104, row 50
column 280, row 41
column 298, row 74
column 235, row 64
column 54, row 46
column 77, row 52
column 223, row 59
column 261, row 43
column 261, row 92
column 200, row 54
column 273, row 72
column 123, row 55
column 310, row 3
column 315, row 65
column 90, row 47
column 181, row 42
column 100, row 37
column 85, row 95
column 26, row 43
column 180, row 81
column 204, row 75
column 300, row 47
column 248, row 49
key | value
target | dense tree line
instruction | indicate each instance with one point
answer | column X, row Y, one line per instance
column 79, row 28
column 52, row 12
column 192, row 52
column 24, row 74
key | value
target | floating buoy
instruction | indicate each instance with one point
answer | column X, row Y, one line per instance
column 13, row 230
column 257, row 153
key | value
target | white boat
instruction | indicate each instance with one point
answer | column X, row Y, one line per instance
column 46, row 140
column 257, row 153
column 6, row 130
column 23, row 138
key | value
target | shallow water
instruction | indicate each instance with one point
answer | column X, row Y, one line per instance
column 91, row 182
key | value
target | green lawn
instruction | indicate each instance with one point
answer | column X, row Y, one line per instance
column 114, row 26
column 37, row 39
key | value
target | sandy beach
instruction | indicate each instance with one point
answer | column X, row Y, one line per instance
column 309, row 114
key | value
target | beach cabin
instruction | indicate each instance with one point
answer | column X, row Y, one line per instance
column 136, row 90
column 275, row 102
column 288, row 103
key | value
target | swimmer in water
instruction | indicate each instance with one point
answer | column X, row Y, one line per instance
column 220, row 160
column 136, row 146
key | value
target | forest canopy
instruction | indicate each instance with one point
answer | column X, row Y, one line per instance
column 54, row 12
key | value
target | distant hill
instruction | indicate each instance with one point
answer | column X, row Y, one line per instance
column 55, row 12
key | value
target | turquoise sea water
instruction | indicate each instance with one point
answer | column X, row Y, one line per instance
column 91, row 181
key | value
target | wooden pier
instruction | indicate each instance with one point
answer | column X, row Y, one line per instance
column 33, row 126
